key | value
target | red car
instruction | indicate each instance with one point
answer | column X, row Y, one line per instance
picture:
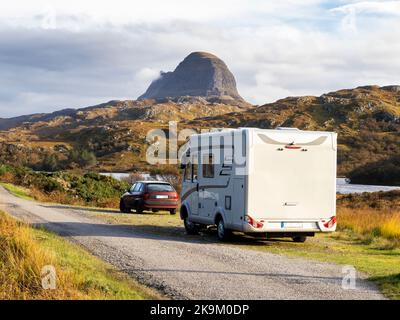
column 149, row 195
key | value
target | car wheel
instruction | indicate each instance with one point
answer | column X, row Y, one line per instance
column 190, row 227
column 223, row 233
column 123, row 208
column 300, row 239
column 172, row 211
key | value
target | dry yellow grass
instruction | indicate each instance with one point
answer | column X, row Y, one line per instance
column 391, row 228
column 21, row 262
column 24, row 251
column 371, row 222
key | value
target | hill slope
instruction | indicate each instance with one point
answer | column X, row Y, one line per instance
column 367, row 120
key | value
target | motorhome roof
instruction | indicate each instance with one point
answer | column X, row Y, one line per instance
column 278, row 129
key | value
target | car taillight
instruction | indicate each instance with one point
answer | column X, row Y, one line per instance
column 254, row 223
column 330, row 223
column 174, row 196
column 146, row 196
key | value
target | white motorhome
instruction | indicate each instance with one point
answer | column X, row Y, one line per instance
column 272, row 183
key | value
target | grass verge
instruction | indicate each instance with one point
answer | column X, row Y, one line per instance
column 18, row 191
column 24, row 251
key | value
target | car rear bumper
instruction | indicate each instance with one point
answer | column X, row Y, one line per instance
column 160, row 204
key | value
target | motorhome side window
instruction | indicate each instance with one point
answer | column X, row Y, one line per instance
column 194, row 171
column 208, row 166
column 188, row 172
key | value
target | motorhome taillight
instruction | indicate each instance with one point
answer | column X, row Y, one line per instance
column 254, row 223
column 291, row 146
column 330, row 223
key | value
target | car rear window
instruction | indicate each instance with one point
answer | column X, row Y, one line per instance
column 160, row 187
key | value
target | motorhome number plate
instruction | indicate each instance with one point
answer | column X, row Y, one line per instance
column 161, row 196
column 291, row 225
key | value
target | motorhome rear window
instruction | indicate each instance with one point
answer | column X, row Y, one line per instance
column 208, row 166
column 159, row 187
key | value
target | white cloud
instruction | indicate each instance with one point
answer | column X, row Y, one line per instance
column 86, row 54
column 122, row 12
column 370, row 7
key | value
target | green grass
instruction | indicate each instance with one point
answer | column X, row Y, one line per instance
column 80, row 275
column 18, row 191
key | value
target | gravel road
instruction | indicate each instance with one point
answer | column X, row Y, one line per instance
column 192, row 269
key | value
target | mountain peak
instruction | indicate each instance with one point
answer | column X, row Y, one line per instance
column 199, row 74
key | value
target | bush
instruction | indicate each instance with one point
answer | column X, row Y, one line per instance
column 95, row 188
column 66, row 187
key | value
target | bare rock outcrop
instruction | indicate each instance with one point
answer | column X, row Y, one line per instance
column 200, row 74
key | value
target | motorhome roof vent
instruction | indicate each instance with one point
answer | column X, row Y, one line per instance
column 222, row 129
column 287, row 128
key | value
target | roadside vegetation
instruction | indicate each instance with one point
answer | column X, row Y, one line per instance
column 24, row 251
column 73, row 188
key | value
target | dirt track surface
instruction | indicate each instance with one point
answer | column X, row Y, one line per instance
column 187, row 268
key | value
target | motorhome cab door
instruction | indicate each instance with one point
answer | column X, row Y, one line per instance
column 190, row 185
column 207, row 195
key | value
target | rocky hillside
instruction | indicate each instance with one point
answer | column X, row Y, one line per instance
column 199, row 74
column 115, row 131
column 367, row 120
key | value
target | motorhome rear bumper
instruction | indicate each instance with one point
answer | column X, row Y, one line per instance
column 288, row 227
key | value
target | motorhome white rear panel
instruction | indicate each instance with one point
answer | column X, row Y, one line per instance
column 261, row 181
column 292, row 177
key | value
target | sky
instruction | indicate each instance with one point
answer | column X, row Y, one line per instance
column 70, row 54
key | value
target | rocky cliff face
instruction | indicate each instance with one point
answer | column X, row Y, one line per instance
column 199, row 74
